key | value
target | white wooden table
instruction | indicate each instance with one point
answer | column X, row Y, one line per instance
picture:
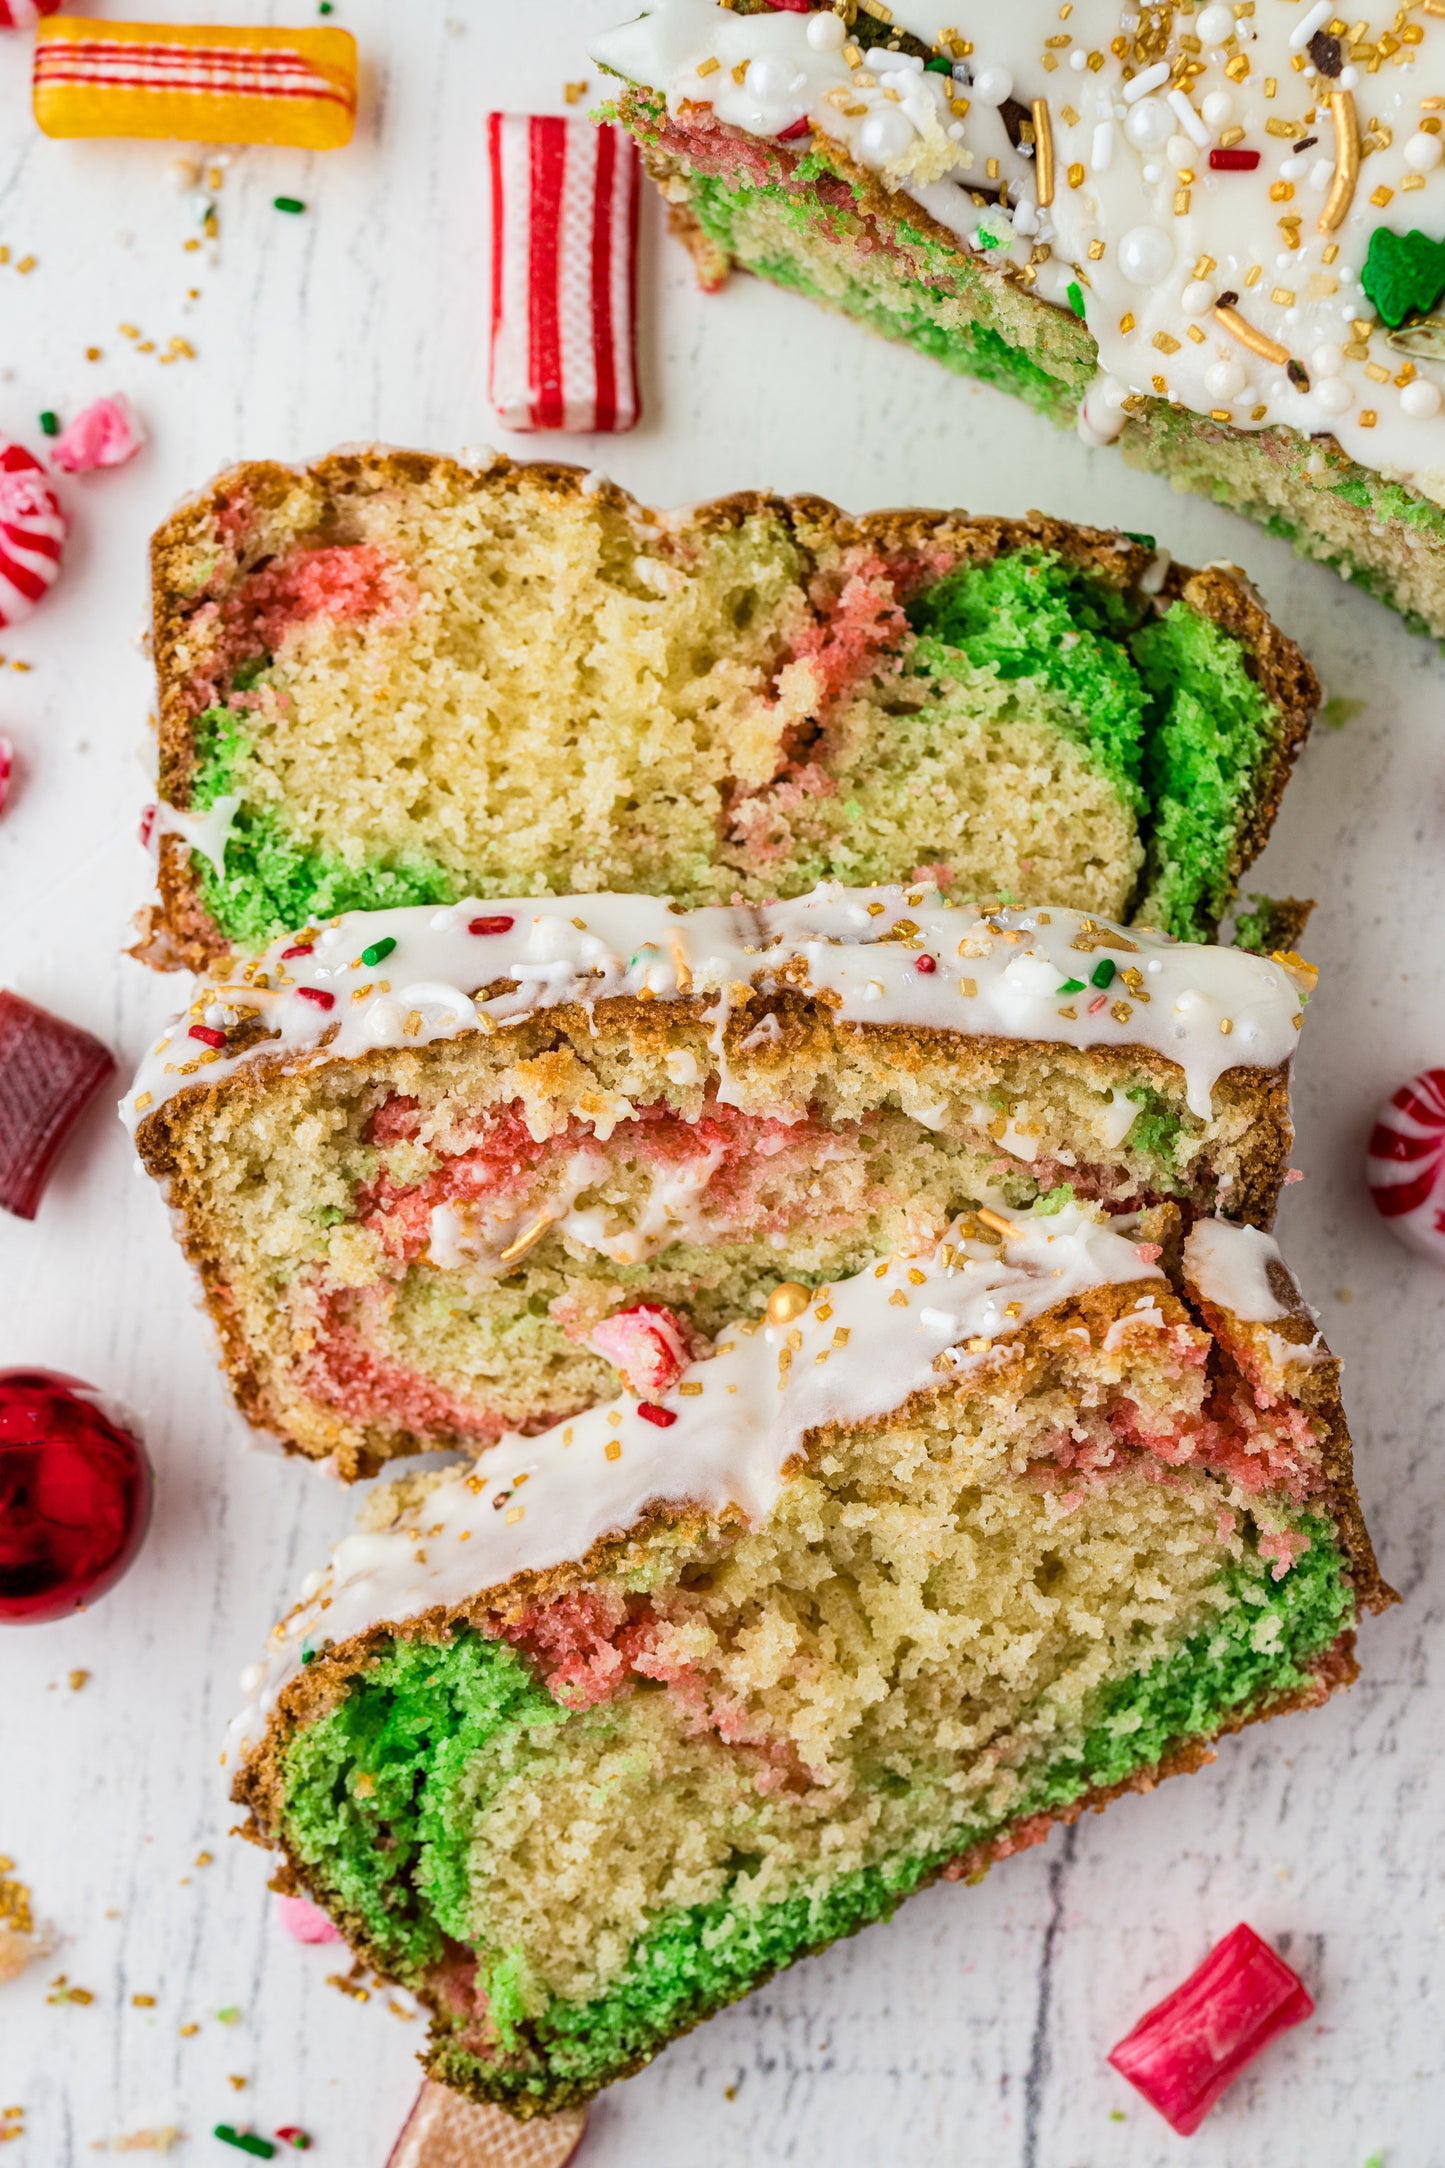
column 971, row 2031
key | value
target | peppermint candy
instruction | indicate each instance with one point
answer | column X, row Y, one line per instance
column 1405, row 1168
column 564, row 273
column 24, row 14
column 32, row 530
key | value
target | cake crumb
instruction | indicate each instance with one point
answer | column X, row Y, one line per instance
column 78, row 1679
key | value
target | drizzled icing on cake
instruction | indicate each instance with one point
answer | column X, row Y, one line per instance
column 723, row 1435
column 1231, row 1266
column 878, row 955
column 1210, row 182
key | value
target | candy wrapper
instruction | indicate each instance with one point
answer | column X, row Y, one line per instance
column 204, row 84
column 564, row 274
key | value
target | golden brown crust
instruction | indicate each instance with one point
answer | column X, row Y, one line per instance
column 180, row 930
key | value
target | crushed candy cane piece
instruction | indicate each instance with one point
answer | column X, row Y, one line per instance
column 1185, row 2052
column 646, row 1344
column 25, row 14
column 7, row 770
column 106, row 434
column 304, row 1921
column 200, row 83
column 564, row 278
column 32, row 533
column 445, row 2130
column 48, row 1071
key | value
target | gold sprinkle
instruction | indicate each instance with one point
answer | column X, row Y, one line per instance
column 1376, row 373
column 1226, row 1025
column 1121, row 1012
column 1126, row 322
column 1240, row 328
column 612, row 1450
column 822, row 1312
column 1076, row 176
column 1096, row 250
column 709, row 66
column 691, row 1389
column 841, row 1334
column 1228, row 137
column 1043, row 153
column 1347, row 159
column 514, row 1513
column 143, row 2002
column 1368, row 418
column 898, row 1300
column 917, row 1278
column 527, row 1239
column 146, row 1099
column 787, row 1301
column 995, row 1221
column 1165, row 343
column 968, row 988
column 1192, row 331
column 188, row 2032
column 26, row 263
column 1282, row 297
column 574, row 92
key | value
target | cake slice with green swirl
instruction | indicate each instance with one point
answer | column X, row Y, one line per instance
column 583, row 1742
column 393, row 679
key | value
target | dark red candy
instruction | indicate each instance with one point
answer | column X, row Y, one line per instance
column 75, row 1496
column 1186, row 2051
column 1227, row 159
column 48, row 1070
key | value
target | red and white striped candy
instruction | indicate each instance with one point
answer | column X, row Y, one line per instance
column 1406, row 1164
column 32, row 530
column 564, row 273
column 25, row 14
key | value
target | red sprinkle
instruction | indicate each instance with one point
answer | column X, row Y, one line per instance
column 925, row 964
column 302, row 948
column 148, row 825
column 652, row 1413
column 1233, row 161
column 1100, row 1001
column 7, row 763
column 292, row 2134
column 315, row 993
column 1186, row 2051
column 207, row 1037
column 491, row 925
column 799, row 128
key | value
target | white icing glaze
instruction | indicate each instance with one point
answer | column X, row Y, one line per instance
column 206, row 833
column 1001, row 975
column 739, row 1418
column 1124, row 141
column 1230, row 1266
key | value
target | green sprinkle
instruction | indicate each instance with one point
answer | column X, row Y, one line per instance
column 1116, row 2115
column 987, row 239
column 229, row 2016
column 938, row 66
column 289, row 203
column 245, row 2141
column 50, row 423
column 325, row 8
column 1103, row 972
column 308, row 1656
column 1071, row 986
column 1403, row 274
column 379, row 950
column 1074, row 295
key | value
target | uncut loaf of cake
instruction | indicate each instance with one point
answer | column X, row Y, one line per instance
column 596, row 1736
column 1212, row 233
column 390, row 679
column 448, row 1172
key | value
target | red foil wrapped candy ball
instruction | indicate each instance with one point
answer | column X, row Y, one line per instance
column 75, row 1496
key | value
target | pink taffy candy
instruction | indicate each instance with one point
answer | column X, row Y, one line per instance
column 1405, row 1168
column 646, row 1344
column 1186, row 2051
column 304, row 1921
column 32, row 530
column 105, row 435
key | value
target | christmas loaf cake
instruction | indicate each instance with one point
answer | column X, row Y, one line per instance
column 447, row 1172
column 597, row 1735
column 1211, row 233
column 391, row 679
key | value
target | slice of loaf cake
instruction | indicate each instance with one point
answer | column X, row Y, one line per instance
column 391, row 679
column 599, row 1734
column 424, row 1158
column 1157, row 232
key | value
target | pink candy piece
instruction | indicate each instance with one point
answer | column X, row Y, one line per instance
column 24, row 14
column 564, row 273
column 7, row 770
column 32, row 530
column 1186, row 2051
column 304, row 1921
column 646, row 1344
column 105, row 435
column 1405, row 1168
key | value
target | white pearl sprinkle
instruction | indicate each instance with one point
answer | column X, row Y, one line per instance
column 992, row 85
column 1421, row 400
column 1149, row 124
column 886, row 133
column 1334, row 395
column 1222, row 379
column 1216, row 25
column 1197, row 298
column 1145, row 256
column 1217, row 107
column 1326, row 360
column 1423, row 153
column 826, row 33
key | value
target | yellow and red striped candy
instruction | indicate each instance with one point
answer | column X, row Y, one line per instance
column 201, row 83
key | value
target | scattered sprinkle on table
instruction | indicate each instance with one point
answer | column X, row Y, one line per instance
column 289, row 203
column 246, row 2141
column 50, row 422
column 77, row 1680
